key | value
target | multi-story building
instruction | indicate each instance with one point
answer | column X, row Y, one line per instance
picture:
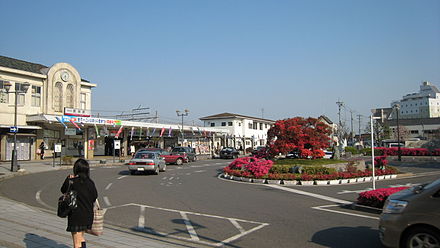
column 243, row 131
column 423, row 104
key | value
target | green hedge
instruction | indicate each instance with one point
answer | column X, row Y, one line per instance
column 313, row 170
column 308, row 161
column 280, row 168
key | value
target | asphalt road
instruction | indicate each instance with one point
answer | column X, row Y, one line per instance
column 191, row 203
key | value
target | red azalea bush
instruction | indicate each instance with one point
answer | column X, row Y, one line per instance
column 376, row 198
column 318, row 154
column 262, row 153
column 380, row 161
column 404, row 151
column 305, row 153
column 238, row 164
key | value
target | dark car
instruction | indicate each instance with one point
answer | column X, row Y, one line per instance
column 188, row 151
column 411, row 218
column 229, row 152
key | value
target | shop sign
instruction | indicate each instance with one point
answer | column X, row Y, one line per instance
column 70, row 131
column 91, row 120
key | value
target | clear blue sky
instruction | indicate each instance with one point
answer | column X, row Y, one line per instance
column 292, row 58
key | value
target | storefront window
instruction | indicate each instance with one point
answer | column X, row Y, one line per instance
column 4, row 97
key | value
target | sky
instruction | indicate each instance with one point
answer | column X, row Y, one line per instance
column 263, row 58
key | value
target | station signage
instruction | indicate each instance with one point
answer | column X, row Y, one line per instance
column 91, row 120
column 77, row 112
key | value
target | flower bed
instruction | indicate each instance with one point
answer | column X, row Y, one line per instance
column 376, row 198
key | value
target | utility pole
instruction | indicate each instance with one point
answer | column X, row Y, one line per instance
column 338, row 148
column 351, row 134
column 359, row 139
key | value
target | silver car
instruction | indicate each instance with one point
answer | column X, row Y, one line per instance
column 147, row 161
column 411, row 218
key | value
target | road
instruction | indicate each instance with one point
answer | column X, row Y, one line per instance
column 191, row 203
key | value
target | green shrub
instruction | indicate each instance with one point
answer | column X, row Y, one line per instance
column 313, row 170
column 280, row 169
column 367, row 152
column 352, row 150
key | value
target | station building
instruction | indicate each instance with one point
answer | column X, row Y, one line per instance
column 56, row 110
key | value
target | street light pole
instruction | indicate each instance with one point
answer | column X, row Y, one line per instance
column 399, row 154
column 24, row 88
column 184, row 113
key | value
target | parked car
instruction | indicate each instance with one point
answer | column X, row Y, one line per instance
column 188, row 151
column 328, row 154
column 411, row 218
column 257, row 149
column 146, row 161
column 229, row 152
column 170, row 158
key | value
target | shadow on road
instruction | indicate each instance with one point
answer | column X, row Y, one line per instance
column 347, row 237
column 34, row 240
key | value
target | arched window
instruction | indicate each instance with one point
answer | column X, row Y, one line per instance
column 58, row 97
column 69, row 96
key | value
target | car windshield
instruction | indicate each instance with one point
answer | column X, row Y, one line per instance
column 144, row 155
column 179, row 149
column 434, row 184
column 227, row 149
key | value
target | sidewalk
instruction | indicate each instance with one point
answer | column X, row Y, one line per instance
column 31, row 227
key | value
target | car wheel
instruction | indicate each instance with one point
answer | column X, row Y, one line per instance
column 179, row 161
column 422, row 237
column 132, row 172
column 164, row 168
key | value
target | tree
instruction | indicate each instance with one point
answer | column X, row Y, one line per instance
column 308, row 136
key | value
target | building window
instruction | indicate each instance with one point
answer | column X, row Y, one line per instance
column 250, row 125
column 57, row 97
column 69, row 96
column 83, row 101
column 36, row 96
column 4, row 96
column 255, row 126
column 414, row 131
column 21, row 97
column 265, row 125
column 212, row 124
column 239, row 124
column 223, row 124
column 261, row 126
column 230, row 123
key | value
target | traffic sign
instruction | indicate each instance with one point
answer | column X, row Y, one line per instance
column 13, row 129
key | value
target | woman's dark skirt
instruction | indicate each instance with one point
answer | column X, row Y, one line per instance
column 78, row 228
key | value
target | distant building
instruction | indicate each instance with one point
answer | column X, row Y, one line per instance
column 424, row 104
column 244, row 131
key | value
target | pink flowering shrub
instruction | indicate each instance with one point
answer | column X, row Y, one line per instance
column 250, row 166
column 305, row 153
column 259, row 167
column 404, row 151
column 376, row 198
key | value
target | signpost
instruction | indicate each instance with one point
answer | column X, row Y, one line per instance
column 13, row 129
column 57, row 148
column 117, row 145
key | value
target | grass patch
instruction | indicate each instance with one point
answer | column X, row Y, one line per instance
column 308, row 161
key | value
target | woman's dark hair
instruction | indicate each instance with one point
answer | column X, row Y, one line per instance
column 81, row 168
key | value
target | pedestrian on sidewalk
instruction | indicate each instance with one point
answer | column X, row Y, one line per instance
column 81, row 218
column 42, row 148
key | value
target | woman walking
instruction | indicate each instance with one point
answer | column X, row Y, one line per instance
column 81, row 218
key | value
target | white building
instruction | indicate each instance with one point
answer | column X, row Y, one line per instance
column 244, row 131
column 424, row 104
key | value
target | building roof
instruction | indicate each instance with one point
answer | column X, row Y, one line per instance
column 231, row 115
column 326, row 119
column 24, row 66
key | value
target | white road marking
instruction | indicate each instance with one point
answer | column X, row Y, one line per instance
column 200, row 171
column 189, row 227
column 37, row 197
column 188, row 174
column 107, row 202
column 141, row 221
column 353, row 191
column 108, row 186
column 322, row 197
column 238, row 226
column 164, row 178
column 404, row 185
column 171, row 178
column 240, row 235
column 323, row 208
column 121, row 177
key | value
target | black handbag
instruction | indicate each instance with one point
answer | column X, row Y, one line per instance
column 67, row 202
